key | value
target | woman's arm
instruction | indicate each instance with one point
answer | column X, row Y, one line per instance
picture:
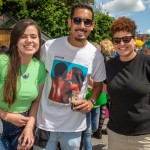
column 2, row 114
column 27, row 137
column 14, row 118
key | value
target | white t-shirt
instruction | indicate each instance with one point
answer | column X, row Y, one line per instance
column 61, row 59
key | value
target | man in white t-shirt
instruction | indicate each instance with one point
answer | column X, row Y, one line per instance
column 69, row 61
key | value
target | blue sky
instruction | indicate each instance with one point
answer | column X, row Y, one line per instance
column 138, row 10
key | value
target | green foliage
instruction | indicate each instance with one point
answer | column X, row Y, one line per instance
column 102, row 27
column 1, row 4
column 16, row 8
column 52, row 16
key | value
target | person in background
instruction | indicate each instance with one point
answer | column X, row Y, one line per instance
column 108, row 51
column 92, row 117
column 146, row 47
column 22, row 76
column 95, row 118
column 4, row 49
column 57, row 122
column 128, row 85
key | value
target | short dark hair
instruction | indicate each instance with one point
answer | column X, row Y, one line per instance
column 84, row 6
column 60, row 70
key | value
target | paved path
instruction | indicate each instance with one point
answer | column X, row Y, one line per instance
column 101, row 144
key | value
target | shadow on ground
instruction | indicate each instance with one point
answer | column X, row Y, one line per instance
column 99, row 147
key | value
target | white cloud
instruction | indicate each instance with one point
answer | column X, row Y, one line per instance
column 124, row 6
column 148, row 31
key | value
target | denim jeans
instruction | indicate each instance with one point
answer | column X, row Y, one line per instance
column 46, row 140
column 92, row 120
column 10, row 135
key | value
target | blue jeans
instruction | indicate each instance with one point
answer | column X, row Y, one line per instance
column 45, row 140
column 11, row 133
column 92, row 120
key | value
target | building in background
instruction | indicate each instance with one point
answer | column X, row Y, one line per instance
column 143, row 37
column 6, row 24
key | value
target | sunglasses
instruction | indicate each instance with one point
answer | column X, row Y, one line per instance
column 87, row 22
column 125, row 39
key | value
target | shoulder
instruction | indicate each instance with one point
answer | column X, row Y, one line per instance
column 112, row 61
column 53, row 41
column 145, row 58
column 4, row 58
column 52, row 44
column 38, row 63
column 96, row 51
column 92, row 47
column 4, row 62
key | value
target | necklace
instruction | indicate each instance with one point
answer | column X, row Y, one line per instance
column 25, row 76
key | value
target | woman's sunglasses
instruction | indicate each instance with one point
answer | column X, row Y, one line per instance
column 78, row 20
column 125, row 39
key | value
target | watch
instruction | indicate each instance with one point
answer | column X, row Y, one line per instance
column 93, row 101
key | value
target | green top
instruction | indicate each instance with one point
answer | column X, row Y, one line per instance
column 28, row 83
column 101, row 100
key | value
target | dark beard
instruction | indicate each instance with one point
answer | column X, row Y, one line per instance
column 79, row 40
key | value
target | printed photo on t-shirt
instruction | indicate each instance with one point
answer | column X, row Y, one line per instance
column 66, row 78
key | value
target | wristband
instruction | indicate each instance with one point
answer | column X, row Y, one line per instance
column 93, row 101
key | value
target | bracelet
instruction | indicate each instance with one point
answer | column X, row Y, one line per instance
column 93, row 101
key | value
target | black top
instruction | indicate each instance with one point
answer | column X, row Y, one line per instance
column 128, row 85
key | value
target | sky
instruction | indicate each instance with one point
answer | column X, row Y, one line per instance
column 138, row 10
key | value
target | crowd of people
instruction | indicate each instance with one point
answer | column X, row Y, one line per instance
column 38, row 109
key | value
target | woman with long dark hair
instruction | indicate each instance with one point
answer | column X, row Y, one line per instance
column 22, row 76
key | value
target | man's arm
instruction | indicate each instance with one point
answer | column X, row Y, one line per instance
column 96, row 90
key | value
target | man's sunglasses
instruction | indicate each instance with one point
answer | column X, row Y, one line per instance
column 125, row 39
column 87, row 22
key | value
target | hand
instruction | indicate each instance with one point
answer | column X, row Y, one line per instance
column 83, row 105
column 26, row 139
column 16, row 119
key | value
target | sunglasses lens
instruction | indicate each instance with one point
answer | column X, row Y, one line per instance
column 117, row 40
column 88, row 22
column 77, row 20
column 125, row 39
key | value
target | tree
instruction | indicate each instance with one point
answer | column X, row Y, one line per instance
column 52, row 15
column 1, row 4
column 102, row 27
column 16, row 8
column 70, row 2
